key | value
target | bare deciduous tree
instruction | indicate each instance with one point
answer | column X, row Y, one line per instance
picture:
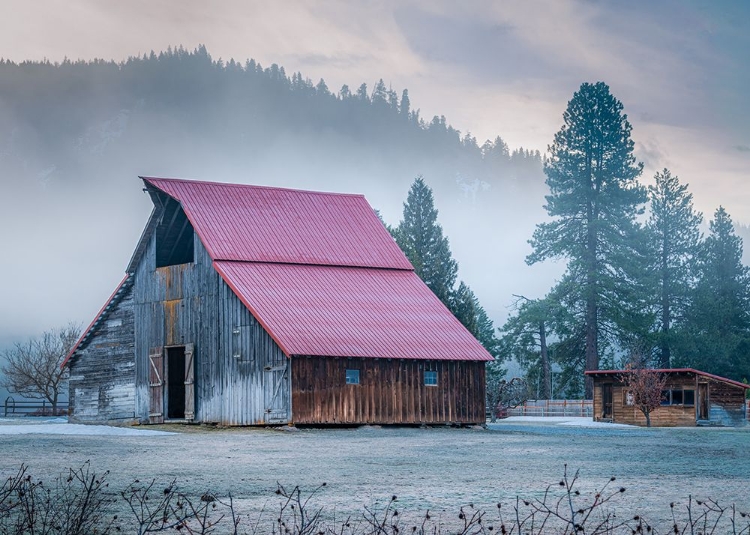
column 644, row 389
column 32, row 369
column 503, row 395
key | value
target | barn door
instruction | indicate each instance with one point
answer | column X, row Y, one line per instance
column 189, row 383
column 156, row 385
column 275, row 392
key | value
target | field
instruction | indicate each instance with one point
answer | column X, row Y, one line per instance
column 436, row 468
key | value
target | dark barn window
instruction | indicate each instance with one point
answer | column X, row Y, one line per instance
column 352, row 377
column 430, row 378
column 174, row 237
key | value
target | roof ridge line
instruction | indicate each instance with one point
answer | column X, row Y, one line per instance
column 253, row 186
column 268, row 262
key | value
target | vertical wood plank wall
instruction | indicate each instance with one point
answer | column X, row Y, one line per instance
column 391, row 391
column 190, row 303
column 102, row 374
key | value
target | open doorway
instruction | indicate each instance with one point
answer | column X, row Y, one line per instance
column 176, row 383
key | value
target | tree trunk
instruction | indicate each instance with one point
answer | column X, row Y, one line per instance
column 665, row 357
column 648, row 419
column 546, row 371
column 592, row 350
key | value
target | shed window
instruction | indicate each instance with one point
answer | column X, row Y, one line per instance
column 678, row 396
column 430, row 378
column 352, row 377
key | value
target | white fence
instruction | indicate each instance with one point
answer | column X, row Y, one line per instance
column 554, row 407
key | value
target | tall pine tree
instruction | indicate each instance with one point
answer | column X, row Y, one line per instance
column 421, row 238
column 594, row 200
column 716, row 335
column 674, row 236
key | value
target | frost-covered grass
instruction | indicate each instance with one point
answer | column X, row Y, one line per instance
column 438, row 468
column 60, row 426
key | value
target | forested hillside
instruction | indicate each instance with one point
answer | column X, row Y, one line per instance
column 64, row 114
column 74, row 136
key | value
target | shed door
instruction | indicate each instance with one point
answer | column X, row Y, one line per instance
column 606, row 401
column 189, row 382
column 275, row 392
column 702, row 401
column 156, row 385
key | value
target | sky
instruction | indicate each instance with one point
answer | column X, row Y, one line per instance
column 681, row 68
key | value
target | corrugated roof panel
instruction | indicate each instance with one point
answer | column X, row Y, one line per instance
column 263, row 224
column 350, row 312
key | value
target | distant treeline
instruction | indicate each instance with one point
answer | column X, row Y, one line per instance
column 189, row 100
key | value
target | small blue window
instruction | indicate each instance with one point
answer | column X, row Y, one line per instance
column 352, row 377
column 430, row 378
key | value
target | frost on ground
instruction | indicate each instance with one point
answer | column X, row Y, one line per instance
column 575, row 421
column 60, row 426
column 437, row 468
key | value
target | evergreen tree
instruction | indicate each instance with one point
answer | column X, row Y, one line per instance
column 362, row 93
column 674, row 235
column 716, row 334
column 463, row 305
column 486, row 332
column 379, row 93
column 524, row 337
column 421, row 238
column 594, row 200
column 405, row 104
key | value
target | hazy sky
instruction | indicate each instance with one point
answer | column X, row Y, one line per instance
column 682, row 69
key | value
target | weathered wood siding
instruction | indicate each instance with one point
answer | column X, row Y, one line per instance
column 725, row 401
column 236, row 363
column 390, row 392
column 102, row 374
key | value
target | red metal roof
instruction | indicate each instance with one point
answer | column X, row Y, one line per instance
column 350, row 312
column 264, row 224
column 319, row 271
column 672, row 370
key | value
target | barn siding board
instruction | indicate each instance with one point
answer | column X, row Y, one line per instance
column 390, row 392
column 106, row 393
column 190, row 304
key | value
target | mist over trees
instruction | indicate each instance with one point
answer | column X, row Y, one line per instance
column 637, row 289
column 74, row 136
column 179, row 98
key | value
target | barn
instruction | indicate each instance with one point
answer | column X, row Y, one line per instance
column 251, row 305
column 690, row 398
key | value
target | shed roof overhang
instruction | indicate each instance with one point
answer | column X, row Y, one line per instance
column 669, row 371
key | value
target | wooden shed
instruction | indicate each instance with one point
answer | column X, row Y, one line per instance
column 249, row 305
column 690, row 398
